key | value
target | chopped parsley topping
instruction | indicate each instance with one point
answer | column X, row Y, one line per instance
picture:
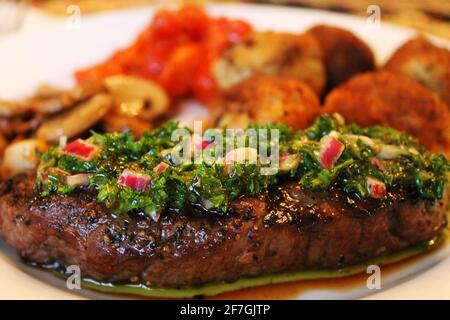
column 143, row 175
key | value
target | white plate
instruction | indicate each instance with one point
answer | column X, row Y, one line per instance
column 51, row 54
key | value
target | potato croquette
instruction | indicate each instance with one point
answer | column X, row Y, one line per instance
column 272, row 53
column 394, row 100
column 269, row 99
column 344, row 54
column 422, row 61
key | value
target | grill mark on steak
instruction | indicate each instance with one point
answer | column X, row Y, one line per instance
column 285, row 229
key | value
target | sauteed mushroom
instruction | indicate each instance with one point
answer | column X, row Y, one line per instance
column 138, row 97
column 10, row 109
column 3, row 143
column 73, row 122
column 49, row 100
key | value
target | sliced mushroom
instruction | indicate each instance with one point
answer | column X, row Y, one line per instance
column 138, row 97
column 3, row 143
column 22, row 125
column 73, row 122
column 47, row 91
column 49, row 100
column 9, row 109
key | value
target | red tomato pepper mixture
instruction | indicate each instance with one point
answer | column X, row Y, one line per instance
column 175, row 50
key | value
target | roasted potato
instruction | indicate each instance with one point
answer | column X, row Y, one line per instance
column 422, row 61
column 272, row 53
column 394, row 100
column 344, row 54
column 264, row 99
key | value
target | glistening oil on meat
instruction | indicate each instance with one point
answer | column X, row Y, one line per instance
column 133, row 213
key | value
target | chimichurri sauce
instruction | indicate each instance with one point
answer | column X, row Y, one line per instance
column 146, row 176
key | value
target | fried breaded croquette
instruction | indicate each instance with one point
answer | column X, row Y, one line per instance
column 272, row 53
column 269, row 99
column 394, row 100
column 422, row 61
column 344, row 54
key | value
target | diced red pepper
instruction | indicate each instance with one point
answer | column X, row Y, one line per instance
column 193, row 21
column 135, row 180
column 377, row 189
column 180, row 68
column 204, row 85
column 165, row 24
column 81, row 150
column 330, row 151
column 203, row 144
column 160, row 168
column 378, row 164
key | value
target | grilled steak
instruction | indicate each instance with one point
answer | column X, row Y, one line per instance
column 285, row 229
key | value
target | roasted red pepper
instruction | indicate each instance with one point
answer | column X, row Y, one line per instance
column 81, row 150
column 135, row 180
column 176, row 50
column 330, row 151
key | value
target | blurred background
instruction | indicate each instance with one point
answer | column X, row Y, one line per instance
column 432, row 16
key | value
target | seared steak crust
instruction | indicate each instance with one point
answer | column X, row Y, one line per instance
column 287, row 229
